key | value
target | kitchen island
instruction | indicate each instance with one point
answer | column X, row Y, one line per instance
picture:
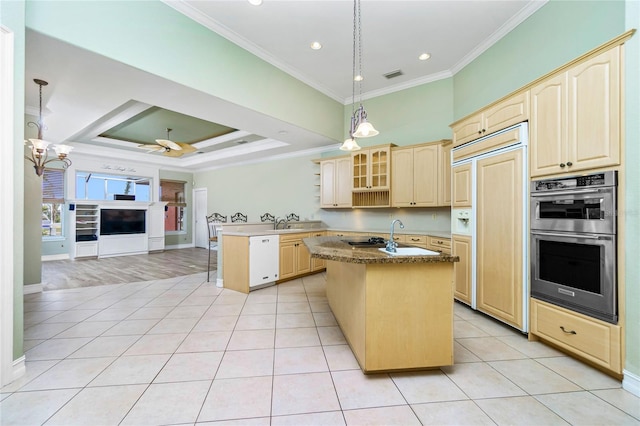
column 396, row 312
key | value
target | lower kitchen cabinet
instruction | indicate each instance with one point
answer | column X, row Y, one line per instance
column 318, row 264
column 595, row 341
column 443, row 245
column 461, row 247
column 295, row 259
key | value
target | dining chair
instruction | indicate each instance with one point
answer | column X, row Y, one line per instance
column 213, row 222
column 238, row 217
column 267, row 217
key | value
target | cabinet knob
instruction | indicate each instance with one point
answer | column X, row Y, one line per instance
column 569, row 163
column 562, row 165
column 479, row 132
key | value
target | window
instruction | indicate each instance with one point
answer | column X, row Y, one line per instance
column 172, row 192
column 95, row 186
column 52, row 202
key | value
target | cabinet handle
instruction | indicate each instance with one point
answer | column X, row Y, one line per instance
column 569, row 163
column 568, row 332
column 562, row 165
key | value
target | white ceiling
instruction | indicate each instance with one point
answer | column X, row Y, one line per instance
column 88, row 93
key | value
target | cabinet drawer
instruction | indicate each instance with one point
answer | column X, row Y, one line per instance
column 416, row 240
column 439, row 244
column 293, row 237
column 595, row 340
column 317, row 234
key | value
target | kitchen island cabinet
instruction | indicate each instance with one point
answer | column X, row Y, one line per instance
column 396, row 312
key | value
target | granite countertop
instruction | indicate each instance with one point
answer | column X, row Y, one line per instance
column 439, row 234
column 333, row 248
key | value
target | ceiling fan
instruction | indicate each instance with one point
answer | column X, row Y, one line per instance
column 169, row 147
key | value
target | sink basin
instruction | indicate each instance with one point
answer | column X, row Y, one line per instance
column 411, row 251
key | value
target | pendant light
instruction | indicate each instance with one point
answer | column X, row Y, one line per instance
column 359, row 126
column 39, row 147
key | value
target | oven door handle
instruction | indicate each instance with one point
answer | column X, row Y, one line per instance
column 571, row 192
column 554, row 234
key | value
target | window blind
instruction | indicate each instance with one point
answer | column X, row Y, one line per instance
column 53, row 186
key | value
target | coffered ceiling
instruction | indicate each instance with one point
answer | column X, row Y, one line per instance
column 106, row 108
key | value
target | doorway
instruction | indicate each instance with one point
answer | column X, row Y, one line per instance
column 200, row 213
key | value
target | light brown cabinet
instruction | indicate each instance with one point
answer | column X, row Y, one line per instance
column 461, row 184
column 335, row 183
column 295, row 259
column 317, row 264
column 443, row 245
column 370, row 169
column 510, row 111
column 499, row 237
column 461, row 247
column 421, row 176
column 576, row 118
column 594, row 340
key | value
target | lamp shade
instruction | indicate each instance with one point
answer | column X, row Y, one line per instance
column 350, row 145
column 39, row 144
column 62, row 149
column 365, row 130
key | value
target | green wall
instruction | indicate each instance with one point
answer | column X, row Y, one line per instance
column 150, row 35
column 187, row 237
column 12, row 16
column 557, row 33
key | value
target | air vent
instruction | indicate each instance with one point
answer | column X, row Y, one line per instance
column 393, row 74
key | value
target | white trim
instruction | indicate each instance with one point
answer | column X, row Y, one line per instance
column 51, row 257
column 631, row 383
column 179, row 246
column 8, row 370
column 32, row 288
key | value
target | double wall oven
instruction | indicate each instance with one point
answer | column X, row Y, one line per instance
column 573, row 243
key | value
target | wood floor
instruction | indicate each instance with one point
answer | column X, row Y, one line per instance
column 61, row 274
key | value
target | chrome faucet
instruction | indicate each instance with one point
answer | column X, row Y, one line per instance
column 391, row 245
column 277, row 223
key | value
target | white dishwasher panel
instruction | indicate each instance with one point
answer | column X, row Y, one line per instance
column 264, row 260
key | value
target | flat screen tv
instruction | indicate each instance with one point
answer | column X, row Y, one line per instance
column 122, row 221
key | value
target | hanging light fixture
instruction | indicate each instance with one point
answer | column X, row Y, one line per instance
column 359, row 126
column 39, row 147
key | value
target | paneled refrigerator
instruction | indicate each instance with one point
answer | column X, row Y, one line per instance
column 489, row 225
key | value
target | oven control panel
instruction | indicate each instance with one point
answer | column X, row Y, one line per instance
column 602, row 179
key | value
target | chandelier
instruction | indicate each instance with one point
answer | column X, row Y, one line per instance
column 359, row 126
column 40, row 148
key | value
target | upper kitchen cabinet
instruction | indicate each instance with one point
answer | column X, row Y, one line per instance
column 421, row 175
column 505, row 113
column 371, row 177
column 576, row 117
column 371, row 169
column 335, row 183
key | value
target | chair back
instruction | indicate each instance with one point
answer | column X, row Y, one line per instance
column 238, row 217
column 213, row 220
column 267, row 217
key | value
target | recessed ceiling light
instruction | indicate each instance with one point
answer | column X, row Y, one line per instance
column 316, row 45
column 255, row 2
column 424, row 56
column 358, row 78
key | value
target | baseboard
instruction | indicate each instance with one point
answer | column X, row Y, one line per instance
column 179, row 246
column 219, row 282
column 51, row 257
column 631, row 383
column 18, row 368
column 32, row 288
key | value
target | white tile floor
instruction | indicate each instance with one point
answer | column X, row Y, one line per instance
column 181, row 351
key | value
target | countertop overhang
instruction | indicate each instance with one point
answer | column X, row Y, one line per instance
column 334, row 248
